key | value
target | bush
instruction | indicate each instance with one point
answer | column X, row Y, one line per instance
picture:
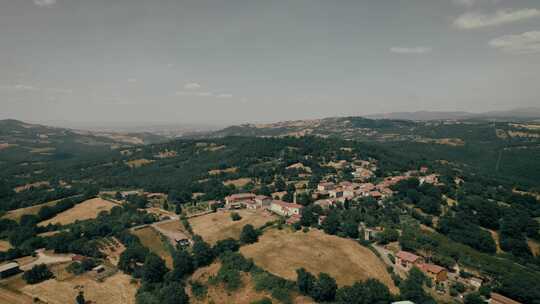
column 198, row 290
column 37, row 274
column 262, row 301
column 235, row 216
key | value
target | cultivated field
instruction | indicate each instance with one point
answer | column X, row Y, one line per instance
column 151, row 239
column 283, row 251
column 86, row 210
column 218, row 226
column 116, row 289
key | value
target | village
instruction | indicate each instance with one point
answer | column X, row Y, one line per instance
column 212, row 221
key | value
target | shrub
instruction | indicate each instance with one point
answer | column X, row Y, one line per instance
column 235, row 216
column 37, row 274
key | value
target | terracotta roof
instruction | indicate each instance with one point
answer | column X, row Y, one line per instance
column 431, row 268
column 502, row 299
column 261, row 197
column 286, row 205
column 407, row 256
column 241, row 196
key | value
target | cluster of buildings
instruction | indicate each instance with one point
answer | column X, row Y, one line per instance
column 253, row 202
column 407, row 260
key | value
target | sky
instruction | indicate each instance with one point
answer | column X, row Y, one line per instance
column 235, row 61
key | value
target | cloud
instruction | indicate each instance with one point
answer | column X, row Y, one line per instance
column 192, row 86
column 476, row 20
column 45, row 3
column 30, row 88
column 411, row 50
column 19, row 87
column 526, row 43
column 132, row 80
column 192, row 93
column 475, row 2
column 226, row 96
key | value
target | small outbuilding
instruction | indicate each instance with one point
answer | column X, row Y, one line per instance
column 9, row 269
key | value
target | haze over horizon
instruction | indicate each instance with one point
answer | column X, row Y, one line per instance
column 225, row 62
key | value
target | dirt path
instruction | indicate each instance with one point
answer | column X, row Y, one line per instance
column 47, row 258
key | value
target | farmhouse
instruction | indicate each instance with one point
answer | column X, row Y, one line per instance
column 285, row 209
column 325, row 203
column 326, row 186
column 437, row 273
column 500, row 299
column 263, row 201
column 9, row 269
column 237, row 201
column 407, row 260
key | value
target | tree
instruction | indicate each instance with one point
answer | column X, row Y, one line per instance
column 280, row 184
column 388, row 235
column 249, row 235
column 325, row 289
column 130, row 257
column 182, row 264
column 368, row 292
column 305, row 281
column 202, row 253
column 153, row 269
column 225, row 245
column 235, row 216
column 474, row 298
column 412, row 288
column 37, row 274
column 173, row 294
column 80, row 298
column 350, row 227
column 308, row 216
column 330, row 224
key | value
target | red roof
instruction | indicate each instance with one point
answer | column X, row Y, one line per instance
column 436, row 269
column 407, row 256
column 241, row 196
column 287, row 205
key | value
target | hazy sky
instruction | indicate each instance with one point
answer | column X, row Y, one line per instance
column 231, row 61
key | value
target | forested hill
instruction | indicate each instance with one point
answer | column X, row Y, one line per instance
column 508, row 150
column 32, row 142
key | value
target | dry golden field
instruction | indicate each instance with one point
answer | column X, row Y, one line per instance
column 116, row 289
column 219, row 295
column 4, row 245
column 151, row 239
column 136, row 163
column 218, row 226
column 86, row 210
column 241, row 182
column 18, row 213
column 282, row 252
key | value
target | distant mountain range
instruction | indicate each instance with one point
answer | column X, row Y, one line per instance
column 519, row 114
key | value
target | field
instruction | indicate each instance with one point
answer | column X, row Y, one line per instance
column 18, row 213
column 218, row 294
column 218, row 226
column 282, row 252
column 86, row 210
column 4, row 245
column 151, row 239
column 138, row 162
column 116, row 289
column 535, row 247
column 241, row 182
